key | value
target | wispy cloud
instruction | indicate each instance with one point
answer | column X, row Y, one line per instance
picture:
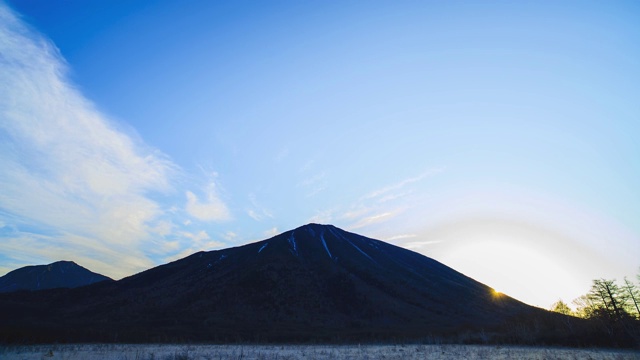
column 74, row 185
column 400, row 237
column 314, row 181
column 271, row 232
column 307, row 166
column 258, row 212
column 230, row 236
column 396, row 190
column 385, row 203
column 254, row 215
column 314, row 184
column 322, row 217
column 373, row 219
column 417, row 244
column 212, row 208
column 192, row 242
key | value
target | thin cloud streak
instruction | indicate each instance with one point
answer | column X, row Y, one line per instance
column 384, row 204
column 258, row 212
column 400, row 237
column 322, row 217
column 418, row 245
column 271, row 232
column 389, row 192
column 314, row 185
column 373, row 219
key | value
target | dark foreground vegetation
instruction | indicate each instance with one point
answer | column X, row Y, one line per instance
column 546, row 330
column 612, row 312
column 316, row 352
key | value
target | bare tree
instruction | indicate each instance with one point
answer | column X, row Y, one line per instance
column 633, row 294
column 608, row 298
column 612, row 310
column 585, row 308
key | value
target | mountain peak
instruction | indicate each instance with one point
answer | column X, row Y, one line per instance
column 59, row 274
column 314, row 227
column 313, row 282
column 66, row 262
column 311, row 239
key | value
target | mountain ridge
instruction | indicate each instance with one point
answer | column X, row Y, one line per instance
column 312, row 283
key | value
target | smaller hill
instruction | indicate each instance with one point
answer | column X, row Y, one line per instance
column 60, row 274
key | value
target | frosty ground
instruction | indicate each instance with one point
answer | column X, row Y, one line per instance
column 282, row 352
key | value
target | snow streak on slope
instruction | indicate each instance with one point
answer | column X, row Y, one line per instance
column 325, row 244
column 310, row 231
column 338, row 235
column 262, row 247
column 292, row 242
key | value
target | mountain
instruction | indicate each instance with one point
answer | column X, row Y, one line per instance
column 313, row 283
column 61, row 274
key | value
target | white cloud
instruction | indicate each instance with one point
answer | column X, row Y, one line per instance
column 198, row 237
column 211, row 209
column 356, row 212
column 67, row 169
column 404, row 236
column 192, row 242
column 255, row 216
column 271, row 232
column 322, row 217
column 420, row 246
column 373, row 219
column 230, row 236
column 390, row 192
column 163, row 228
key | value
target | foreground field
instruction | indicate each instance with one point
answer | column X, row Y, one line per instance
column 333, row 352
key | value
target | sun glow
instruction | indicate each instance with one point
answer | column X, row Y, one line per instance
column 496, row 294
column 512, row 257
column 514, row 266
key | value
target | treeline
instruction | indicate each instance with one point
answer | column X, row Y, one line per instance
column 607, row 299
column 611, row 306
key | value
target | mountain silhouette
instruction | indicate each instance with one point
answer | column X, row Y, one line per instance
column 313, row 283
column 60, row 274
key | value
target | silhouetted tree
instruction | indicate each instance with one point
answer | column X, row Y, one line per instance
column 612, row 311
column 609, row 299
column 562, row 308
column 585, row 308
column 633, row 294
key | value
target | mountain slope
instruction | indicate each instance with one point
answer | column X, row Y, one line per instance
column 61, row 274
column 314, row 283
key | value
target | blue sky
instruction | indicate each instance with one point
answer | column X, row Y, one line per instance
column 499, row 138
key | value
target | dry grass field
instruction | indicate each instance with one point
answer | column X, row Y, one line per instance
column 282, row 352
